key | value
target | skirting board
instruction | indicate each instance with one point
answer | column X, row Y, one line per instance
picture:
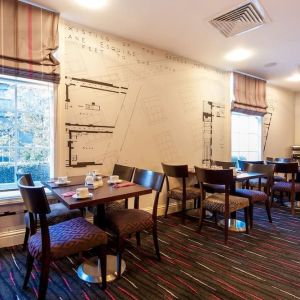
column 16, row 237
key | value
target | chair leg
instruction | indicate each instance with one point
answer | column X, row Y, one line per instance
column 102, row 258
column 138, row 238
column 27, row 232
column 201, row 217
column 167, row 207
column 183, row 210
column 44, row 278
column 226, row 229
column 251, row 214
column 155, row 241
column 292, row 199
column 246, row 214
column 268, row 209
column 126, row 203
column 120, row 248
column 29, row 264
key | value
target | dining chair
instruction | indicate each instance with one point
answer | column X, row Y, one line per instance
column 52, row 242
column 223, row 203
column 180, row 192
column 58, row 212
column 124, row 173
column 256, row 196
column 124, row 222
column 291, row 187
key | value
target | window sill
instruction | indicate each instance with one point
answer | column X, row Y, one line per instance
column 14, row 197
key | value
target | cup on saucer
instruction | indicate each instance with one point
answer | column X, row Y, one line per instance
column 82, row 192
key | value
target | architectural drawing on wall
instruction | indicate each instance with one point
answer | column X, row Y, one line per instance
column 213, row 139
column 267, row 119
column 93, row 108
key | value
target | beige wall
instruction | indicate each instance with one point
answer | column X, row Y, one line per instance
column 297, row 119
column 282, row 129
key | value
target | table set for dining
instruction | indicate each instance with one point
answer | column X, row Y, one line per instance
column 111, row 189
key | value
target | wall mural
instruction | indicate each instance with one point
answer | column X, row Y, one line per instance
column 137, row 105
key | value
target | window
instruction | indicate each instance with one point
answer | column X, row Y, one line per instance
column 26, row 113
column 245, row 136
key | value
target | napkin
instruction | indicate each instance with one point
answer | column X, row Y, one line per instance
column 120, row 185
column 68, row 194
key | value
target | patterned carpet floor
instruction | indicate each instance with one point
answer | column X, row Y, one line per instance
column 262, row 265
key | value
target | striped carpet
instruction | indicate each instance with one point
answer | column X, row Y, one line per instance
column 263, row 265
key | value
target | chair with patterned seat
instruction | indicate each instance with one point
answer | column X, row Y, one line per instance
column 58, row 212
column 256, row 196
column 291, row 187
column 59, row 240
column 181, row 192
column 223, row 203
column 124, row 222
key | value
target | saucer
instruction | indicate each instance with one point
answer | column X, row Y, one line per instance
column 77, row 197
column 115, row 181
column 61, row 183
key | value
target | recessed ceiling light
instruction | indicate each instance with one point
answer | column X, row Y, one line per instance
column 294, row 78
column 92, row 4
column 238, row 54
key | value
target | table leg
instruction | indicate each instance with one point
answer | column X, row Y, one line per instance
column 90, row 270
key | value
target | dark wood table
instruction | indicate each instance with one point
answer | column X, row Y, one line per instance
column 90, row 270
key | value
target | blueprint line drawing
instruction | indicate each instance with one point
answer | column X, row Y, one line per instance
column 93, row 109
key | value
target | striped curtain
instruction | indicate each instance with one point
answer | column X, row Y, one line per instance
column 29, row 37
column 249, row 95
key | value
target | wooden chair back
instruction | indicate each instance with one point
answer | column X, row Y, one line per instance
column 176, row 171
column 224, row 164
column 284, row 160
column 242, row 163
column 153, row 180
column 268, row 171
column 27, row 176
column 124, row 172
column 36, row 203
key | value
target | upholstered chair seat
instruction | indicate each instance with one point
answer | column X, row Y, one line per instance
column 191, row 193
column 59, row 213
column 68, row 238
column 254, row 195
column 129, row 221
column 216, row 202
column 278, row 178
column 284, row 186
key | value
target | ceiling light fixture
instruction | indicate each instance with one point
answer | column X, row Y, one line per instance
column 92, row 4
column 238, row 54
column 295, row 77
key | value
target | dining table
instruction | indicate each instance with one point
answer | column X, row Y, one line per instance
column 234, row 224
column 89, row 270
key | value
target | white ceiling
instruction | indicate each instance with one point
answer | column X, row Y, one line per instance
column 181, row 26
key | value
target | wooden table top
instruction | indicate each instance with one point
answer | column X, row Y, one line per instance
column 106, row 193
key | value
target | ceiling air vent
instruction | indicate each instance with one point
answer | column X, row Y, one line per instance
column 245, row 17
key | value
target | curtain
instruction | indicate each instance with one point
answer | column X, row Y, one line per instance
column 29, row 37
column 249, row 95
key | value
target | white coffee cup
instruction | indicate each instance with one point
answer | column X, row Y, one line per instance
column 62, row 179
column 82, row 192
column 114, row 178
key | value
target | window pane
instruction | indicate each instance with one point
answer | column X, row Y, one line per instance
column 246, row 136
column 25, row 129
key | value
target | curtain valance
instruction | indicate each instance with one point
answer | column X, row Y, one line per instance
column 29, row 38
column 249, row 95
